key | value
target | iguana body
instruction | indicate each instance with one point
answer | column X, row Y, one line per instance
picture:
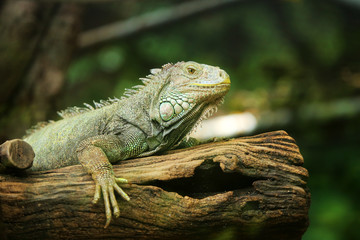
column 151, row 118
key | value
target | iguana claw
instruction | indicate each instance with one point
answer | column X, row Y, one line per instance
column 106, row 183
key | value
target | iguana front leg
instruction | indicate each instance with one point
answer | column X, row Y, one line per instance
column 95, row 154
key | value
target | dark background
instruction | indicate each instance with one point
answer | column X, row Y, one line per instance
column 295, row 65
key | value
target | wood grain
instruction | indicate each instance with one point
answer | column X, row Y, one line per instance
column 247, row 187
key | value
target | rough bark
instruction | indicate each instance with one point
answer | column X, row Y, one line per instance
column 249, row 188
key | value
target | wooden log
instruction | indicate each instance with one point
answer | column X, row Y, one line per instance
column 247, row 188
column 16, row 154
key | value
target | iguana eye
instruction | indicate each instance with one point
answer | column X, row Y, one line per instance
column 191, row 70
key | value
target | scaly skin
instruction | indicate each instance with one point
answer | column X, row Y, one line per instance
column 152, row 118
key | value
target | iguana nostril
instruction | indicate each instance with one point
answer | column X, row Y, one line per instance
column 222, row 74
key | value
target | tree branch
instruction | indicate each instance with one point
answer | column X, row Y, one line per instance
column 252, row 187
column 147, row 21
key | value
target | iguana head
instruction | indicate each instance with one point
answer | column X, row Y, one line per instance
column 189, row 92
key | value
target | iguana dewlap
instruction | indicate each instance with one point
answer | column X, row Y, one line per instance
column 150, row 118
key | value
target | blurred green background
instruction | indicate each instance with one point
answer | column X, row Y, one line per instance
column 295, row 65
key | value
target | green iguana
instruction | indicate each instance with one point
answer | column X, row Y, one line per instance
column 149, row 118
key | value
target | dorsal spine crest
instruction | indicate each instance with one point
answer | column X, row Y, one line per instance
column 74, row 111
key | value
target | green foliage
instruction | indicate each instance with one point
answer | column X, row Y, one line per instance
column 81, row 70
column 111, row 59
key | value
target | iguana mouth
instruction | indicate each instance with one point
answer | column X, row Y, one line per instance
column 226, row 81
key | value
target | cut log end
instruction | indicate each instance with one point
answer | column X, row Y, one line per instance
column 16, row 154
